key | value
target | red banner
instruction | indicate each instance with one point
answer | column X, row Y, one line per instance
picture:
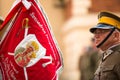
column 28, row 50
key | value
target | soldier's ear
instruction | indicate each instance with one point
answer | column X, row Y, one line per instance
column 116, row 34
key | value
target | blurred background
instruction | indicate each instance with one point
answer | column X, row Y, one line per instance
column 70, row 21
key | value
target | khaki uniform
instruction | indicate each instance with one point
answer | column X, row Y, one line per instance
column 109, row 68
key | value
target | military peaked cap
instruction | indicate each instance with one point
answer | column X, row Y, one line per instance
column 107, row 20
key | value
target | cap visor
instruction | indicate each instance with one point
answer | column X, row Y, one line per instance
column 100, row 26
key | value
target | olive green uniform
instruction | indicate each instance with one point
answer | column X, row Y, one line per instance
column 109, row 68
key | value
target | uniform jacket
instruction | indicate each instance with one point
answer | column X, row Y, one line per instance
column 109, row 67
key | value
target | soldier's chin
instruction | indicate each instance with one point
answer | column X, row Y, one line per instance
column 97, row 44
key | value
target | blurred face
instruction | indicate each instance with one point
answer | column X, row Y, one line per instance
column 100, row 35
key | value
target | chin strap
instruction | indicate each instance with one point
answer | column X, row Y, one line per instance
column 106, row 38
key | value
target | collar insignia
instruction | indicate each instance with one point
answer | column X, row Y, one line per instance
column 107, row 53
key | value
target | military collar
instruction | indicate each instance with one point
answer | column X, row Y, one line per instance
column 115, row 47
column 109, row 51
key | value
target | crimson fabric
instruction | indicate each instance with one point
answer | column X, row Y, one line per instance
column 39, row 27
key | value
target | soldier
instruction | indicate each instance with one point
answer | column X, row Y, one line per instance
column 107, row 39
column 88, row 62
column 1, row 21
